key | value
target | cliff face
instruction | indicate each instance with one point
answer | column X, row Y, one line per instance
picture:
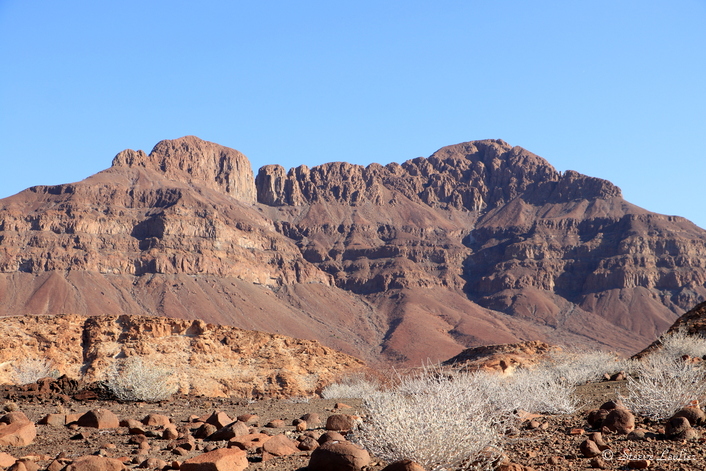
column 205, row 359
column 479, row 243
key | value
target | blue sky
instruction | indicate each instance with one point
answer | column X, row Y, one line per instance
column 614, row 89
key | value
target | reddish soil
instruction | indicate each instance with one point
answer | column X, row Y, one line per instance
column 538, row 447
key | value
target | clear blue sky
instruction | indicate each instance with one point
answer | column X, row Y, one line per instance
column 614, row 89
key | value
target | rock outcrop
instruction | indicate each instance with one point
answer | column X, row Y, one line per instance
column 206, row 359
column 481, row 243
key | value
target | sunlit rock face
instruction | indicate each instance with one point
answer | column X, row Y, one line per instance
column 480, row 243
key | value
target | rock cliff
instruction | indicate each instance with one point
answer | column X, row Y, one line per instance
column 206, row 359
column 480, row 243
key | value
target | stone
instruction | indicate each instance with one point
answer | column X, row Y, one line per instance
column 598, row 463
column 308, row 444
column 219, row 419
column 170, row 433
column 95, row 463
column 231, row 430
column 312, row 419
column 205, row 430
column 222, row 459
column 156, row 420
column 331, row 436
column 404, row 465
column 100, row 419
column 597, row 438
column 639, row 464
column 249, row 419
column 6, row 460
column 693, row 414
column 153, row 463
column 589, row 449
column 676, row 426
column 595, row 418
column 276, row 423
column 251, row 442
column 620, row 421
column 340, row 422
column 280, row 445
column 16, row 430
column 338, row 456
column 638, row 434
column 612, row 405
column 54, row 420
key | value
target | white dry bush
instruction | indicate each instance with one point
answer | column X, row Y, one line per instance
column 680, row 343
column 133, row 379
column 580, row 367
column 353, row 386
column 536, row 390
column 29, row 370
column 442, row 427
column 660, row 384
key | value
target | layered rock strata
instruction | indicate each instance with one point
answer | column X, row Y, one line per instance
column 481, row 243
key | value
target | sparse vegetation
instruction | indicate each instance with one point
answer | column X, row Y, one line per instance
column 353, row 386
column 662, row 383
column 440, row 426
column 133, row 379
column 29, row 370
column 579, row 367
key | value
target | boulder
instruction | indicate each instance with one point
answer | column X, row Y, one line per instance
column 219, row 419
column 16, row 430
column 340, row 422
column 222, row 459
column 157, row 420
column 404, row 465
column 99, row 418
column 95, row 463
column 694, row 415
column 338, row 456
column 620, row 421
column 280, row 445
column 251, row 442
column 231, row 430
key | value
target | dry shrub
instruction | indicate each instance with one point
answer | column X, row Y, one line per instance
column 353, row 386
column 433, row 421
column 29, row 370
column 660, row 384
column 133, row 379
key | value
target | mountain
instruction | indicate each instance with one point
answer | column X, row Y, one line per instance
column 480, row 243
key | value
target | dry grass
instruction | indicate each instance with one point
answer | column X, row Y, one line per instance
column 133, row 379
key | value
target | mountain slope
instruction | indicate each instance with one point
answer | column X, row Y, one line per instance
column 479, row 243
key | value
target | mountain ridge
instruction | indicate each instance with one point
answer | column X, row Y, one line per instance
column 480, row 243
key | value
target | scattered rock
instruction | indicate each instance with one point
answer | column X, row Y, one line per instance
column 219, row 419
column 95, row 463
column 338, row 456
column 312, row 419
column 589, row 449
column 231, row 430
column 277, row 423
column 16, row 430
column 340, row 422
column 693, row 414
column 620, row 421
column 279, row 445
column 404, row 465
column 331, row 436
column 157, row 420
column 223, row 459
column 99, row 418
column 251, row 442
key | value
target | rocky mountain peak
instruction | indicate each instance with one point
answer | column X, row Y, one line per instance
column 190, row 159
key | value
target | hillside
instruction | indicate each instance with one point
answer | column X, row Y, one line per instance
column 480, row 243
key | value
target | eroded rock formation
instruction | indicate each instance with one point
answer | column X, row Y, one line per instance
column 206, row 359
column 481, row 243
